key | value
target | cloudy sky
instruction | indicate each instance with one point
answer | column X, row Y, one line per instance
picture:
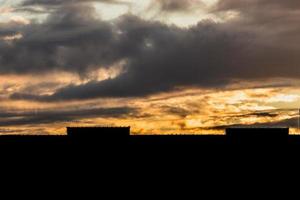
column 159, row 66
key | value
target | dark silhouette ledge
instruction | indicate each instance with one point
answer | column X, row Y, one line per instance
column 98, row 137
column 98, row 132
column 257, row 135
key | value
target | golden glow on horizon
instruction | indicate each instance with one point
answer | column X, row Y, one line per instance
column 190, row 111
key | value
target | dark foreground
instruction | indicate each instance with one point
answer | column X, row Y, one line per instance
column 98, row 138
column 130, row 161
column 116, row 149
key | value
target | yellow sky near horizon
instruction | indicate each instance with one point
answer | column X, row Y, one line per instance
column 189, row 110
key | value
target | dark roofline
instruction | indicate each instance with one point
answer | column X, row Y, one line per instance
column 257, row 127
column 98, row 127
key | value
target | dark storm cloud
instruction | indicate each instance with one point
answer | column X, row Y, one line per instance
column 281, row 16
column 50, row 6
column 257, row 4
column 159, row 58
column 71, row 39
column 256, row 114
column 9, row 28
column 292, row 123
column 176, row 5
column 6, row 32
column 263, row 114
column 6, row 29
column 261, row 43
column 63, row 2
column 164, row 5
column 46, row 117
column 182, row 112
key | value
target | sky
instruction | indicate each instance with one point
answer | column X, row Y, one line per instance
column 158, row 66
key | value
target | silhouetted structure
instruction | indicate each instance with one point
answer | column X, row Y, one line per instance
column 98, row 133
column 257, row 135
column 95, row 132
column 83, row 138
column 103, row 137
column 99, row 136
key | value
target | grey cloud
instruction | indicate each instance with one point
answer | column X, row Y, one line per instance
column 42, row 7
column 262, row 15
column 292, row 123
column 63, row 2
column 51, row 116
column 71, row 39
column 182, row 112
column 249, row 4
column 6, row 32
column 9, row 28
column 158, row 57
column 177, row 5
column 161, row 58
column 258, row 114
column 51, row 6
